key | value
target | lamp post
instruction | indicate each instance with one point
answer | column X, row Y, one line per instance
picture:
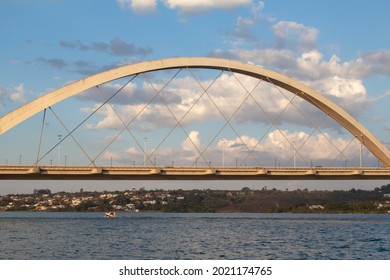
column 361, row 153
column 223, row 151
column 295, row 154
column 145, row 153
column 59, row 148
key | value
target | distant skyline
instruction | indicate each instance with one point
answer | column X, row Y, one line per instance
column 340, row 48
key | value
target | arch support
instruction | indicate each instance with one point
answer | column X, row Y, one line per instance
column 310, row 95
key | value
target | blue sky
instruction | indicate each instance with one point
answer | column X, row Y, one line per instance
column 340, row 48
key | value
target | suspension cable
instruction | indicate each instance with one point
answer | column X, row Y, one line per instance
column 125, row 127
column 272, row 123
column 40, row 138
column 178, row 122
column 296, row 151
column 69, row 133
column 312, row 101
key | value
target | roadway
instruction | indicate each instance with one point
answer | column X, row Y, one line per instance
column 28, row 172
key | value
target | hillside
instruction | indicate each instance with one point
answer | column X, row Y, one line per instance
column 207, row 200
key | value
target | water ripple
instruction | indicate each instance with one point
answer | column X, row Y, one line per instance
column 193, row 236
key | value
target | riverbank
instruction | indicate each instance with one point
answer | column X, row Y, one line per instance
column 206, row 200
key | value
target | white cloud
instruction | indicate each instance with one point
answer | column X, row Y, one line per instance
column 193, row 142
column 278, row 145
column 110, row 119
column 16, row 94
column 184, row 6
column 184, row 100
column 270, row 57
column 110, row 155
column 295, row 54
column 191, row 147
column 350, row 93
column 138, row 6
column 312, row 65
column 315, row 147
column 195, row 6
column 294, row 35
column 133, row 151
column 379, row 62
column 144, row 6
column 244, row 25
column 340, row 81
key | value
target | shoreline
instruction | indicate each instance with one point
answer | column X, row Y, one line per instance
column 218, row 212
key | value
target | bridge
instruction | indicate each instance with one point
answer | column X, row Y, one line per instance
column 242, row 156
column 188, row 173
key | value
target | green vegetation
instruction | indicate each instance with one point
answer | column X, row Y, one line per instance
column 207, row 200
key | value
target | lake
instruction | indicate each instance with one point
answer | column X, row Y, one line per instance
column 144, row 236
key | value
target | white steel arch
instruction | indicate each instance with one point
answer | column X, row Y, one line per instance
column 324, row 104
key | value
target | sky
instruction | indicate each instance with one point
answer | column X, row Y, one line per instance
column 339, row 48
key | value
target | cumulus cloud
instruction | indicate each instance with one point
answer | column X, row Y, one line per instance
column 16, row 94
column 192, row 142
column 138, row 6
column 279, row 146
column 340, row 81
column 272, row 58
column 348, row 93
column 317, row 147
column 195, row 6
column 244, row 32
column 111, row 155
column 191, row 147
column 379, row 62
column 237, row 98
column 294, row 35
column 228, row 94
column 188, row 7
column 294, row 53
column 312, row 65
column 144, row 6
column 179, row 102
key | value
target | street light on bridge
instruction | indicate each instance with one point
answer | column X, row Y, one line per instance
column 295, row 153
column 59, row 148
column 145, row 153
column 223, row 140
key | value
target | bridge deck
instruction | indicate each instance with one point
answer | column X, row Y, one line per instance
column 28, row 172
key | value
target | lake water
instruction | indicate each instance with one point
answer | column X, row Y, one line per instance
column 26, row 235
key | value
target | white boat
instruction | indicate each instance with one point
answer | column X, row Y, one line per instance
column 110, row 214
